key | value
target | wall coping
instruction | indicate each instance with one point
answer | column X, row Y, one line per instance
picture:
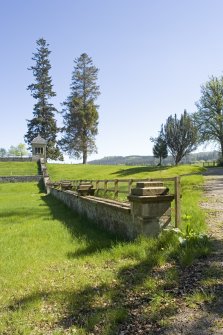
column 107, row 202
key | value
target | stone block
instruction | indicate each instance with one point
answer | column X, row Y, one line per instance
column 150, row 191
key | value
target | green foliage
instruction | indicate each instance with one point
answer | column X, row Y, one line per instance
column 43, row 122
column 3, row 152
column 80, row 114
column 181, row 136
column 19, row 150
column 192, row 244
column 160, row 147
column 209, row 115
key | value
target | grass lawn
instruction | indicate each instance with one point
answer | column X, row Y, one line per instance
column 79, row 171
column 18, row 169
column 62, row 275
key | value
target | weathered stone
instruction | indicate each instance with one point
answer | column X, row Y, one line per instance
column 150, row 207
column 19, row 179
column 150, row 191
column 142, row 184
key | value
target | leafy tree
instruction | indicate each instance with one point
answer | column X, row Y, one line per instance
column 160, row 146
column 80, row 115
column 3, row 152
column 19, row 150
column 13, row 151
column 209, row 115
column 181, row 136
column 43, row 121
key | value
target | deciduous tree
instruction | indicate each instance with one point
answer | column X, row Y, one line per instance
column 180, row 135
column 3, row 152
column 80, row 115
column 43, row 121
column 209, row 115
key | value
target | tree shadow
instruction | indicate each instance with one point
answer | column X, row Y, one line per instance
column 80, row 227
column 140, row 169
column 88, row 309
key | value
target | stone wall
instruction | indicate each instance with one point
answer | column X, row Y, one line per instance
column 111, row 215
column 147, row 212
column 15, row 159
column 19, row 179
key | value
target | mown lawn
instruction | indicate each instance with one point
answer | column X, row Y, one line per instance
column 80, row 171
column 62, row 275
column 18, row 169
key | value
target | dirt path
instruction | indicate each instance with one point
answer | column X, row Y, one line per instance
column 205, row 317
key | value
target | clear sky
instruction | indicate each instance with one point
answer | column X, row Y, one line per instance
column 152, row 55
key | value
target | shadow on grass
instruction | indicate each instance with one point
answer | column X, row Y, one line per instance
column 125, row 305
column 79, row 227
column 136, row 170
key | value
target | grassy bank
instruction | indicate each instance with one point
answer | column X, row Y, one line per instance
column 62, row 275
column 80, row 171
column 18, row 169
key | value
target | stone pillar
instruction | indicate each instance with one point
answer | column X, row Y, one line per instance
column 150, row 207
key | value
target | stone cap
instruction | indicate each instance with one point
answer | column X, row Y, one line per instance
column 154, row 198
column 39, row 140
column 150, row 191
column 142, row 184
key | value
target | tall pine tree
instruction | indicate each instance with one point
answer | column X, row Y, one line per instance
column 43, row 121
column 80, row 115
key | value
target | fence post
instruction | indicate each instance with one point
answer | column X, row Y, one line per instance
column 116, row 189
column 105, row 187
column 177, row 202
column 130, row 185
column 97, row 185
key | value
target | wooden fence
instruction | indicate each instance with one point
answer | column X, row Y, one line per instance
column 210, row 164
column 114, row 187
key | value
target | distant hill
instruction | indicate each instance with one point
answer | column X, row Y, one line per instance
column 150, row 160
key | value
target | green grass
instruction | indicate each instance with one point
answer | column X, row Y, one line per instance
column 80, row 171
column 60, row 274
column 18, row 169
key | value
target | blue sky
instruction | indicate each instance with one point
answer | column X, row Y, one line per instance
column 152, row 55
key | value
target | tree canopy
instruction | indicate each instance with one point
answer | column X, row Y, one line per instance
column 80, row 115
column 209, row 115
column 43, row 121
column 180, row 135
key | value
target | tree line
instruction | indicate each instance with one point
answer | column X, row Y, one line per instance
column 181, row 136
column 19, row 151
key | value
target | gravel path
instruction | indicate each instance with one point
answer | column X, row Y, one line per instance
column 206, row 317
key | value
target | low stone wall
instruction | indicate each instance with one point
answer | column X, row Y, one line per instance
column 111, row 215
column 15, row 159
column 19, row 179
column 147, row 212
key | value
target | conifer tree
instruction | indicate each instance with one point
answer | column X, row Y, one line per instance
column 160, row 146
column 43, row 121
column 181, row 136
column 80, row 115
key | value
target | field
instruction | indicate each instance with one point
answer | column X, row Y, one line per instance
column 66, row 171
column 60, row 274
column 18, row 169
